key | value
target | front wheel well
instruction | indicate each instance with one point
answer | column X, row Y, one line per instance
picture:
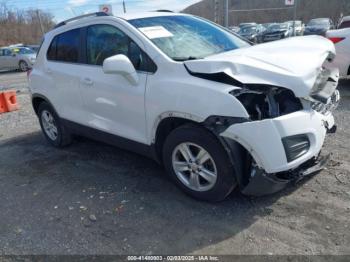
column 165, row 127
column 36, row 103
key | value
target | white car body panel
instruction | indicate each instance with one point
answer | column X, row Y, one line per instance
column 262, row 136
column 113, row 105
column 292, row 63
column 342, row 60
column 185, row 96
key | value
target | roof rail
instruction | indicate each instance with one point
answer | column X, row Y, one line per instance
column 79, row 17
column 164, row 10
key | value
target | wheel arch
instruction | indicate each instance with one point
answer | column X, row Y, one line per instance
column 165, row 124
column 37, row 99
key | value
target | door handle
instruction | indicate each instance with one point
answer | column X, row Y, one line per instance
column 87, row 81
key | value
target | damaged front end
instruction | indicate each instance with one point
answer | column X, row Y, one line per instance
column 289, row 105
column 265, row 106
column 264, row 103
column 282, row 139
column 261, row 183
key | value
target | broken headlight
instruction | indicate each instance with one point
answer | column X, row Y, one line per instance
column 264, row 102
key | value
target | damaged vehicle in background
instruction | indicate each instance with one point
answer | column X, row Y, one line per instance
column 319, row 26
column 251, row 32
column 218, row 113
column 277, row 32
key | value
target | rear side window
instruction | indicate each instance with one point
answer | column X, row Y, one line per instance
column 65, row 47
column 104, row 41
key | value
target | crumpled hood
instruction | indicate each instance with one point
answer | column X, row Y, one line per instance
column 293, row 63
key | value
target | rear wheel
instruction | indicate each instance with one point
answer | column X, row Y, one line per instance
column 54, row 131
column 198, row 163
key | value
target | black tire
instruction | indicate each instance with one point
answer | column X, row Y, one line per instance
column 64, row 138
column 24, row 67
column 226, row 179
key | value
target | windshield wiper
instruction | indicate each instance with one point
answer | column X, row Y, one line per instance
column 181, row 59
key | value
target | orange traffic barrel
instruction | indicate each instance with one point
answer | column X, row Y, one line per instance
column 10, row 100
column 3, row 107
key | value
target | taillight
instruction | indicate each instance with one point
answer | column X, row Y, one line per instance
column 336, row 40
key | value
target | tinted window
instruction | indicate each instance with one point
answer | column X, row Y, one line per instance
column 67, row 46
column 345, row 25
column 51, row 53
column 7, row 52
column 104, row 41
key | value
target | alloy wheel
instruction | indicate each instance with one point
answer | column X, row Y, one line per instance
column 194, row 167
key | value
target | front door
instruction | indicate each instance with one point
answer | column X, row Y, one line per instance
column 113, row 104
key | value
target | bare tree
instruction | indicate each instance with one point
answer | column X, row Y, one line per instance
column 23, row 26
column 306, row 10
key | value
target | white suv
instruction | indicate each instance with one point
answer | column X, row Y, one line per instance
column 216, row 111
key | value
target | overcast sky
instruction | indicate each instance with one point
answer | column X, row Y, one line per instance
column 63, row 9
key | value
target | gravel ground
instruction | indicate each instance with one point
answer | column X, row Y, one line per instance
column 91, row 198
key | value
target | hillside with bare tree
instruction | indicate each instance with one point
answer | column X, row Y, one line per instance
column 23, row 26
column 306, row 10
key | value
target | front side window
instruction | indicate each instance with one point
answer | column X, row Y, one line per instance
column 7, row 52
column 186, row 37
column 104, row 41
column 65, row 47
column 25, row 51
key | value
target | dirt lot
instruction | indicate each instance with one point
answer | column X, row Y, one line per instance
column 95, row 199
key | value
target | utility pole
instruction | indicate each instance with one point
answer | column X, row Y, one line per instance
column 216, row 9
column 39, row 18
column 124, row 7
column 226, row 12
column 294, row 17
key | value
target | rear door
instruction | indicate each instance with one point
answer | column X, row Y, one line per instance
column 2, row 59
column 63, row 69
column 112, row 104
column 8, row 59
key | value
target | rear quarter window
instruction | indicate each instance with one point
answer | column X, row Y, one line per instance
column 65, row 47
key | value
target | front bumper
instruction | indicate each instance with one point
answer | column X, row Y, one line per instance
column 264, row 184
column 271, row 169
column 263, row 139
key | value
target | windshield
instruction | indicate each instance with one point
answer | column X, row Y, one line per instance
column 185, row 37
column 247, row 30
column 319, row 22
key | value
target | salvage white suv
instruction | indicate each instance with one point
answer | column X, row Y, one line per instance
column 216, row 111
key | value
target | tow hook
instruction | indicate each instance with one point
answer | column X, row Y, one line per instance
column 333, row 130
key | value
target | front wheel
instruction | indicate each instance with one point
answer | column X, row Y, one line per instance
column 23, row 66
column 198, row 163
